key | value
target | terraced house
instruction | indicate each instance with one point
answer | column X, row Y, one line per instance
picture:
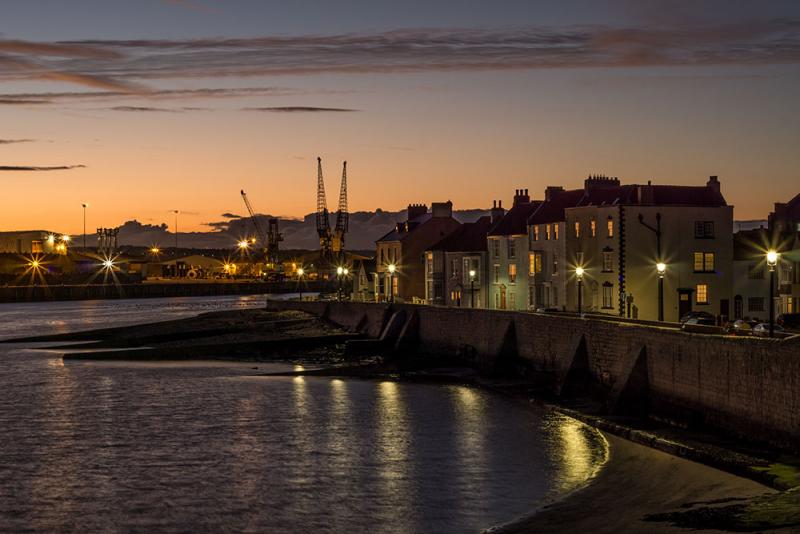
column 509, row 255
column 619, row 234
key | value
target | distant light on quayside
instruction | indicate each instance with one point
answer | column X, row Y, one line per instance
column 34, row 264
column 65, row 238
column 108, row 264
column 244, row 243
column 155, row 250
column 301, row 271
column 51, row 239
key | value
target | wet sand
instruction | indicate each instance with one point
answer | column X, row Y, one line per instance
column 635, row 482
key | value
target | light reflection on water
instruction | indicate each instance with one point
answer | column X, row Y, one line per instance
column 206, row 446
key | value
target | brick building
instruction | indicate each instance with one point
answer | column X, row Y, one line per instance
column 450, row 262
column 404, row 249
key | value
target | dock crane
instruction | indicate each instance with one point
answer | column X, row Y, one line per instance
column 331, row 242
column 270, row 239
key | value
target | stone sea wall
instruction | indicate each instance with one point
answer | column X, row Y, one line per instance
column 748, row 387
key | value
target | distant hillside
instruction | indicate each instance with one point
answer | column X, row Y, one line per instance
column 365, row 228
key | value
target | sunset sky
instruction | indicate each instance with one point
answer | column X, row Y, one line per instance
column 148, row 106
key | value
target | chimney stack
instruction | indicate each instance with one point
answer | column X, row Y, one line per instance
column 416, row 210
column 442, row 209
column 497, row 211
column 521, row 197
column 713, row 183
column 551, row 192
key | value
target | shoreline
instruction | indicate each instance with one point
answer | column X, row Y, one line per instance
column 689, row 490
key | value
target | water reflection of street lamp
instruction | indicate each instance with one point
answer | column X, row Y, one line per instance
column 661, row 268
column 579, row 275
column 472, row 288
column 772, row 261
column 392, row 268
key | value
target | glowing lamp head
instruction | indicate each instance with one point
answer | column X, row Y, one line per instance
column 661, row 267
column 34, row 264
column 155, row 250
column 346, row 271
column 392, row 268
column 243, row 244
column 108, row 264
column 340, row 270
column 301, row 271
column 65, row 238
column 472, row 273
column 579, row 272
column 772, row 258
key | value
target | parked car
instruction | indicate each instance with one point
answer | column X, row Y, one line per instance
column 696, row 315
column 543, row 309
column 762, row 330
column 701, row 324
column 790, row 321
column 742, row 327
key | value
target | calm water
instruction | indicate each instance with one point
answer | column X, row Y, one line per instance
column 207, row 446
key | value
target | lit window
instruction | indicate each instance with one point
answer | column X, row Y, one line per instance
column 702, row 294
column 555, row 231
column 547, row 232
column 593, row 227
column 36, row 247
column 531, row 263
column 537, row 262
column 512, row 273
column 610, row 227
column 577, row 229
column 703, row 262
column 536, row 232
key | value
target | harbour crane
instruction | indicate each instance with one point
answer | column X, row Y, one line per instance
column 331, row 242
column 270, row 239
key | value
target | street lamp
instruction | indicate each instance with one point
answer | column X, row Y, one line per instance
column 661, row 268
column 772, row 261
column 176, row 232
column 392, row 268
column 472, row 288
column 339, row 273
column 579, row 276
column 300, row 273
column 85, row 205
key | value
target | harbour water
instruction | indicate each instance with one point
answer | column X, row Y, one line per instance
column 131, row 446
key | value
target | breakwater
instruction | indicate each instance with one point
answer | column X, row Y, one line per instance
column 748, row 387
column 149, row 290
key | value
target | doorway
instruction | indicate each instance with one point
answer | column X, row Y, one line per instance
column 684, row 302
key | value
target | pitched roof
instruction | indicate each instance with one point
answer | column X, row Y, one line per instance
column 370, row 265
column 662, row 195
column 470, row 237
column 515, row 222
column 413, row 224
column 553, row 210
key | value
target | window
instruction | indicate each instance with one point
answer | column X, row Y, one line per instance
column 497, row 301
column 455, row 297
column 496, row 273
column 608, row 295
column 512, row 248
column 755, row 272
column 454, row 268
column 555, row 296
column 608, row 261
column 429, row 262
column 471, row 264
column 538, row 259
column 512, row 273
column 36, row 247
column 610, row 227
column 577, row 229
column 512, row 301
column 496, row 247
column 555, row 231
column 704, row 229
column 547, row 232
column 704, row 262
column 755, row 304
column 555, row 265
column 593, row 227
column 536, row 232
column 531, row 263
column 702, row 294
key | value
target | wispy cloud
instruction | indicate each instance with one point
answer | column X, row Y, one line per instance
column 15, row 141
column 143, row 109
column 229, row 215
column 299, row 109
column 123, row 64
column 23, row 101
column 26, row 168
column 164, row 94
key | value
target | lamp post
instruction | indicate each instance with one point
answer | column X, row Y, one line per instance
column 85, row 205
column 472, row 288
column 772, row 261
column 176, row 232
column 339, row 273
column 392, row 268
column 579, row 276
column 661, row 268
column 300, row 273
